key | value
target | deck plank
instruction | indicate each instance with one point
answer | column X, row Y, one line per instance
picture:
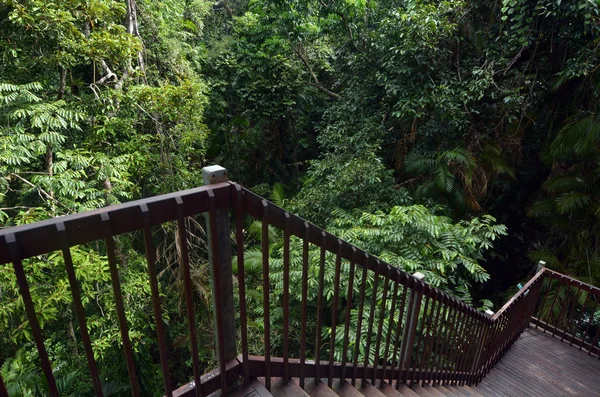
column 539, row 365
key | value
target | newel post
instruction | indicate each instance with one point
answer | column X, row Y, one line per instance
column 227, row 336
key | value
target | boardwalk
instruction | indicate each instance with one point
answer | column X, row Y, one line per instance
column 538, row 365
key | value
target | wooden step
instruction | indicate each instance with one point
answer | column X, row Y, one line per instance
column 345, row 389
column 390, row 391
column 417, row 389
column 279, row 388
column 318, row 389
column 368, row 390
column 454, row 390
column 444, row 391
column 469, row 391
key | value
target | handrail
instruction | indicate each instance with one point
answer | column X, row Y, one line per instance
column 417, row 333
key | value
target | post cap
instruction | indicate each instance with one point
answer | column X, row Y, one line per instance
column 213, row 174
column 488, row 311
column 419, row 275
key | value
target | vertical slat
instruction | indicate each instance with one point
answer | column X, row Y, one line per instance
column 286, row 295
column 266, row 290
column 189, row 292
column 439, row 338
column 456, row 344
column 561, row 313
column 3, row 391
column 123, row 328
column 468, row 364
column 348, row 311
column 320, row 308
column 581, row 313
column 587, row 330
column 36, row 330
column 304, row 302
column 463, row 345
column 420, row 331
column 75, row 292
column 370, row 325
column 551, row 309
column 388, row 338
column 160, row 328
column 453, row 313
column 432, row 336
column 381, row 318
column 334, row 313
column 570, row 317
column 239, row 240
column 361, row 306
column 548, row 281
column 412, row 318
column 399, row 330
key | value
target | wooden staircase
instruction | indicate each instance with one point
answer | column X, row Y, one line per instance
column 291, row 388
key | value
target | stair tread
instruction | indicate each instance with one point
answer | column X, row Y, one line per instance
column 389, row 391
column 457, row 391
column 319, row 389
column 433, row 390
column 368, row 390
column 420, row 391
column 345, row 389
column 281, row 388
column 468, row 391
column 445, row 391
column 415, row 391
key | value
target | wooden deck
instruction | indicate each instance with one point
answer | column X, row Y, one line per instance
column 538, row 365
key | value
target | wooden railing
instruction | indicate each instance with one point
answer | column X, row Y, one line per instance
column 412, row 332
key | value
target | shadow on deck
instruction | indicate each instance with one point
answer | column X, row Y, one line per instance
column 539, row 365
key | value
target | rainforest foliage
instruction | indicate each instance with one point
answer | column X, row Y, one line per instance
column 458, row 138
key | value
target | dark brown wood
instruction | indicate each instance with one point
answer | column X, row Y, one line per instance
column 213, row 380
column 426, row 329
column 257, row 367
column 239, row 239
column 75, row 292
column 444, row 362
column 371, row 320
column 3, row 391
column 15, row 256
column 123, row 327
column 388, row 338
column 398, row 332
column 286, row 295
column 155, row 295
column 551, row 309
column 266, row 291
column 581, row 312
column 430, row 356
column 410, row 329
column 189, row 297
column 419, row 336
column 591, row 348
column 541, row 366
column 538, row 276
column 305, row 241
column 386, row 286
column 348, row 309
column 39, row 238
column 334, row 313
column 361, row 305
column 320, row 305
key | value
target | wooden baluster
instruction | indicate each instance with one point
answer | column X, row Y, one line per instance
column 304, row 303
column 370, row 325
column 266, row 290
column 403, row 280
column 412, row 319
column 320, row 308
column 155, row 295
column 75, row 292
column 587, row 330
column 420, row 330
column 286, row 295
column 386, row 285
column 361, row 305
column 3, row 391
column 348, row 311
column 439, row 336
column 570, row 317
column 551, row 309
column 123, row 328
column 36, row 330
column 427, row 361
column 393, row 275
column 189, row 297
column 447, row 340
column 239, row 241
column 334, row 311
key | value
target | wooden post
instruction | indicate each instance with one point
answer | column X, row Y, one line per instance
column 410, row 329
column 211, row 175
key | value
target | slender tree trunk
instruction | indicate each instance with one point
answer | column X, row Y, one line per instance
column 131, row 24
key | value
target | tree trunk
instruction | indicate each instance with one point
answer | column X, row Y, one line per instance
column 131, row 24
